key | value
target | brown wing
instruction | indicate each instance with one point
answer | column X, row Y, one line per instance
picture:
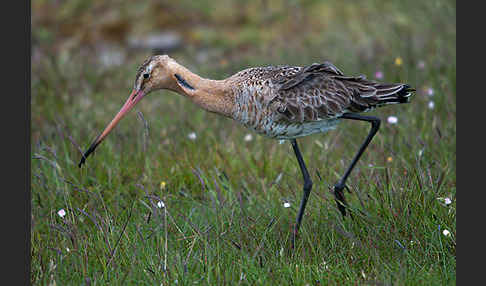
column 321, row 91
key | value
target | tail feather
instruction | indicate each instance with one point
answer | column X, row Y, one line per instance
column 382, row 94
column 399, row 94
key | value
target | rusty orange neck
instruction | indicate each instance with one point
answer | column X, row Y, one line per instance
column 211, row 95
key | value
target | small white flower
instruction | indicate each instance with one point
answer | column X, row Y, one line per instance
column 421, row 152
column 248, row 137
column 446, row 232
column 192, row 136
column 286, row 205
column 421, row 65
column 412, row 242
column 61, row 213
column 392, row 119
column 430, row 91
column 379, row 74
column 447, row 201
column 324, row 263
column 161, row 204
column 431, row 105
column 67, row 249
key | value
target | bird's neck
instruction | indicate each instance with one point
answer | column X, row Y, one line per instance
column 211, row 95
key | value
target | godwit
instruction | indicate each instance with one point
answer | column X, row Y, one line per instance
column 281, row 102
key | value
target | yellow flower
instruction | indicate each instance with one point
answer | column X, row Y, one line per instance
column 162, row 185
column 389, row 159
column 398, row 61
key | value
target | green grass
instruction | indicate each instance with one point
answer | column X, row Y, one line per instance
column 224, row 220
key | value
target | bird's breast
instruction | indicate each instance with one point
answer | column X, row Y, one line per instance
column 252, row 109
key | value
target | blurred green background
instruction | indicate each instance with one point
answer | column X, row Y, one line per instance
column 224, row 36
column 84, row 58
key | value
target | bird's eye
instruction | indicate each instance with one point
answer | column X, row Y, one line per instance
column 146, row 75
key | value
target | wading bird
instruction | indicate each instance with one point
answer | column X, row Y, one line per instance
column 280, row 102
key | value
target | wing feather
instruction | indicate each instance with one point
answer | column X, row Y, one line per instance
column 321, row 91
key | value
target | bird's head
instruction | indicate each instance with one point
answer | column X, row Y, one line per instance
column 157, row 72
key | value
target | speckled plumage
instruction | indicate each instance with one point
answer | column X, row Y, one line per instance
column 282, row 102
column 285, row 102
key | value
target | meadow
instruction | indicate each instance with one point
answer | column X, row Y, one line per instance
column 176, row 195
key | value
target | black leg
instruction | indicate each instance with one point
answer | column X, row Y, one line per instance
column 307, row 188
column 339, row 187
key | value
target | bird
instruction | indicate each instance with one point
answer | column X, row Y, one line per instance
column 280, row 102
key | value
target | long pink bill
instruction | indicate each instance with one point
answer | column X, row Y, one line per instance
column 132, row 100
